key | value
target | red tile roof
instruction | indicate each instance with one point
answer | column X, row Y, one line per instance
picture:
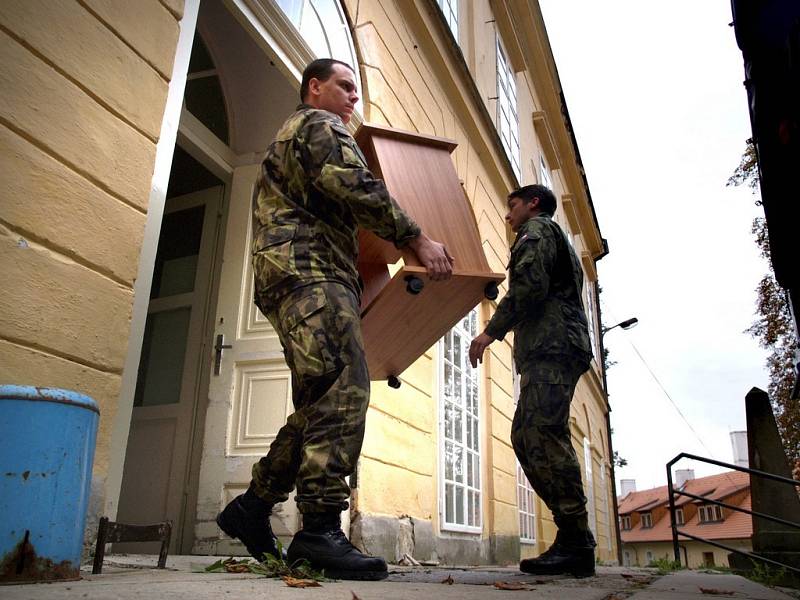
column 736, row 525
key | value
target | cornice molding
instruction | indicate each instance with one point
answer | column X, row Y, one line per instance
column 540, row 64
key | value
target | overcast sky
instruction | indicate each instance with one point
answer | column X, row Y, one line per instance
column 654, row 91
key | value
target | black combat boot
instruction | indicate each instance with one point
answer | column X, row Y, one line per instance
column 323, row 544
column 572, row 553
column 247, row 518
column 528, row 563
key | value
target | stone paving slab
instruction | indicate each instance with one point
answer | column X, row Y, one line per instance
column 130, row 577
column 690, row 584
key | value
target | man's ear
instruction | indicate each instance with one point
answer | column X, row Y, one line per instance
column 534, row 203
column 313, row 86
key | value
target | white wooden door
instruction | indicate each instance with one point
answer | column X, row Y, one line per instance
column 156, row 472
column 250, row 393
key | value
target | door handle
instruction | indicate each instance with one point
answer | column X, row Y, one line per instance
column 218, row 348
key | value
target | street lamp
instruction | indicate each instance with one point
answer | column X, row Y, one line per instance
column 626, row 324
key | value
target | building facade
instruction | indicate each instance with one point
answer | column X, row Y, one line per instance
column 132, row 134
column 645, row 526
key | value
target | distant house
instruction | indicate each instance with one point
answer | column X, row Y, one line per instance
column 645, row 523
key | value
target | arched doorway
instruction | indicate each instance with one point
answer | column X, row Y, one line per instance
column 213, row 388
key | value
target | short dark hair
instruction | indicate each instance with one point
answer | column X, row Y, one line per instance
column 322, row 69
column 547, row 200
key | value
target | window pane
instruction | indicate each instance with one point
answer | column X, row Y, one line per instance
column 448, row 420
column 459, row 504
column 448, row 461
column 449, row 514
column 458, row 465
column 163, row 352
column 457, row 424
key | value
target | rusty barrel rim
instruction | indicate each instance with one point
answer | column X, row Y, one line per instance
column 47, row 394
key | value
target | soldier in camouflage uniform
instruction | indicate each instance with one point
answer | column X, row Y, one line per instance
column 543, row 308
column 313, row 193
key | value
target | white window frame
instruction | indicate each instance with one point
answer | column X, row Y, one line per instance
column 526, row 497
column 710, row 513
column 625, row 522
column 647, row 520
column 589, row 472
column 649, row 557
column 466, row 375
column 450, row 11
column 679, row 518
column 507, row 112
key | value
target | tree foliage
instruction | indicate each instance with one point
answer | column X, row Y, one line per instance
column 773, row 327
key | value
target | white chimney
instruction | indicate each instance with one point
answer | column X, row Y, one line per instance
column 626, row 486
column 682, row 476
column 739, row 445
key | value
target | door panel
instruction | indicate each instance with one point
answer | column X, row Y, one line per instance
column 250, row 398
column 155, row 476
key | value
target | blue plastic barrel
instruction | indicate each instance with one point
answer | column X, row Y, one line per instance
column 47, row 439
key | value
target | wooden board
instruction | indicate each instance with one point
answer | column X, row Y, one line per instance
column 398, row 327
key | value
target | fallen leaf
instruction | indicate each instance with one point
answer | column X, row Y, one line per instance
column 627, row 575
column 300, row 583
column 354, row 596
column 237, row 567
column 716, row 592
column 449, row 580
column 506, row 585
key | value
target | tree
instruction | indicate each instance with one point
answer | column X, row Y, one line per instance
column 774, row 327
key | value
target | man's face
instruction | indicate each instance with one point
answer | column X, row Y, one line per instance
column 520, row 211
column 337, row 94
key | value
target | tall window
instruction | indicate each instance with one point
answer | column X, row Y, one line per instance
column 590, row 507
column 526, row 497
column 625, row 522
column 591, row 316
column 323, row 25
column 460, row 431
column 450, row 10
column 544, row 174
column 606, row 506
column 508, row 120
column 679, row 520
column 647, row 520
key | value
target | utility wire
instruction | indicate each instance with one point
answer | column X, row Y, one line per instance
column 674, row 404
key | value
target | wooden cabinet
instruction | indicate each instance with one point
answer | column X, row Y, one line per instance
column 398, row 324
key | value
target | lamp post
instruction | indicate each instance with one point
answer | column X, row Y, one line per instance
column 626, row 324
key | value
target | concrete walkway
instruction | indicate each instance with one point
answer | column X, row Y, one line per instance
column 131, row 577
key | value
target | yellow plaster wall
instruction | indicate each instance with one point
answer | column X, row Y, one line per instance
column 82, row 93
column 407, row 84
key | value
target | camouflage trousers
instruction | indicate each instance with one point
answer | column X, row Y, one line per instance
column 319, row 327
column 542, row 442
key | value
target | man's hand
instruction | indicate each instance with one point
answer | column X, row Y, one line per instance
column 476, row 348
column 433, row 256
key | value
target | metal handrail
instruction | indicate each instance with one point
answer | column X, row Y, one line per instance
column 672, row 492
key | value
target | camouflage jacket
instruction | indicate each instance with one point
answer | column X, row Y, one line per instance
column 543, row 305
column 313, row 192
